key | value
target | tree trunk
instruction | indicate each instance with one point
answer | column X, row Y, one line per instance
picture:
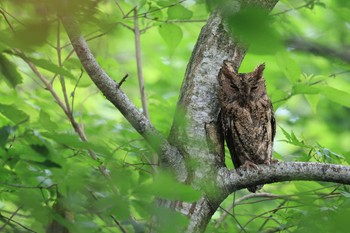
column 196, row 128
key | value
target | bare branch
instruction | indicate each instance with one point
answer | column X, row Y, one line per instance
column 309, row 4
column 139, row 65
column 318, row 49
column 227, row 210
column 61, row 77
column 170, row 156
column 121, row 10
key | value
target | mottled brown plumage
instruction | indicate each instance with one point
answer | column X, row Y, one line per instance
column 247, row 117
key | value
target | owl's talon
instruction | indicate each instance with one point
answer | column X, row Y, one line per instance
column 271, row 161
column 248, row 164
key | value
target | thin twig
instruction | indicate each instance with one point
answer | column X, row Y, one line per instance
column 74, row 89
column 239, row 200
column 307, row 4
column 12, row 16
column 123, row 80
column 101, row 216
column 234, row 217
column 121, row 10
column 273, row 212
column 139, row 65
column 6, row 19
column 118, row 224
column 155, row 10
column 62, row 80
column 10, row 218
column 21, row 225
column 177, row 20
column 338, row 73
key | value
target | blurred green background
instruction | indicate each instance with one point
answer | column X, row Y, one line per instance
column 306, row 48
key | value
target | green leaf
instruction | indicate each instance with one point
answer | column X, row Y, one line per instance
column 179, row 12
column 46, row 122
column 67, row 139
column 5, row 132
column 73, row 140
column 49, row 66
column 155, row 13
column 41, row 149
column 13, row 114
column 313, row 101
column 253, row 25
column 170, row 221
column 165, row 186
column 115, row 205
column 335, row 95
column 305, row 89
column 278, row 98
column 8, row 71
column 171, row 34
column 292, row 139
column 138, row 3
column 289, row 66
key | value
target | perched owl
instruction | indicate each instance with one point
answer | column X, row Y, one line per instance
column 247, row 117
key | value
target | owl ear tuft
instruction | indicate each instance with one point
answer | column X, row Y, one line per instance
column 259, row 70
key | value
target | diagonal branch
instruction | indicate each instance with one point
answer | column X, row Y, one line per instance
column 303, row 45
column 169, row 155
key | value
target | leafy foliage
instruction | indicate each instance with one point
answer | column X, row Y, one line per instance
column 50, row 173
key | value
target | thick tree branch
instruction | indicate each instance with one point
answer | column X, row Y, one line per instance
column 169, row 155
column 231, row 181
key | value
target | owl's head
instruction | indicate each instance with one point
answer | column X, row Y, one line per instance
column 244, row 87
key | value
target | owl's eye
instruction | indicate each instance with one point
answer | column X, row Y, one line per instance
column 233, row 86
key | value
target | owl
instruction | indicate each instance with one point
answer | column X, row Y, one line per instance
column 247, row 117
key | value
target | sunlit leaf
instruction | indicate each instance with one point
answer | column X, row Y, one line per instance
column 179, row 12
column 46, row 121
column 335, row 95
column 313, row 101
column 288, row 66
column 304, row 89
column 292, row 139
column 12, row 113
column 171, row 34
column 155, row 13
column 165, row 3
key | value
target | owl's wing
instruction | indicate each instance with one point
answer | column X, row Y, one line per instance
column 273, row 122
column 228, row 128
